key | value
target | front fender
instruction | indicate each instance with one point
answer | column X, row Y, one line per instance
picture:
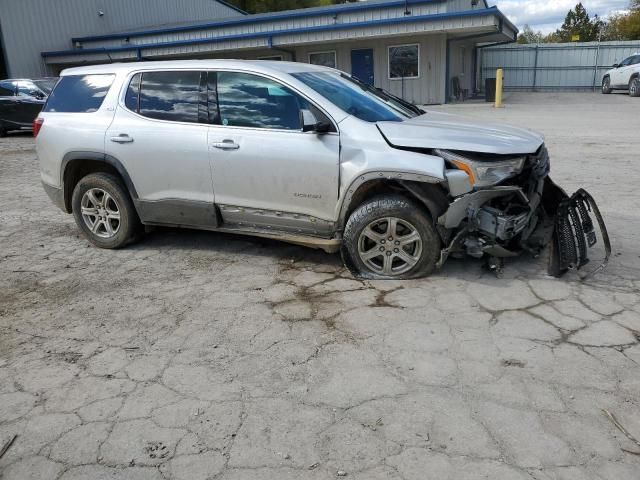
column 366, row 156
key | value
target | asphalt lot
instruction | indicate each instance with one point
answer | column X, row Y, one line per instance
column 198, row 355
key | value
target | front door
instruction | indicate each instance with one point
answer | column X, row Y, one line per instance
column 267, row 172
column 620, row 76
column 362, row 65
column 160, row 137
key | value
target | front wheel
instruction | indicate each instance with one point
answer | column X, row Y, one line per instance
column 634, row 87
column 391, row 237
column 104, row 211
column 606, row 85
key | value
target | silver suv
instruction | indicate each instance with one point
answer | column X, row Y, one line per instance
column 299, row 153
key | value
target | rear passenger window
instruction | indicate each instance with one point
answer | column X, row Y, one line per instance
column 79, row 93
column 173, row 96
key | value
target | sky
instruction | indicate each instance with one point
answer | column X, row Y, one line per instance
column 548, row 15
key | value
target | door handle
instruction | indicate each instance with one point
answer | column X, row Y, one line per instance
column 122, row 138
column 226, row 145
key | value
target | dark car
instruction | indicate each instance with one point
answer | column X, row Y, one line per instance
column 21, row 101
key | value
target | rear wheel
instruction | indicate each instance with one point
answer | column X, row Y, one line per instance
column 104, row 211
column 606, row 85
column 391, row 237
column 634, row 87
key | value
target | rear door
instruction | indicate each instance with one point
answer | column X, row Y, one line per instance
column 266, row 171
column 159, row 134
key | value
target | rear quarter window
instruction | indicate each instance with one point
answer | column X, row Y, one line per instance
column 79, row 93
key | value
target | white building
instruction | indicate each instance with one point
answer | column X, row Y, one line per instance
column 421, row 50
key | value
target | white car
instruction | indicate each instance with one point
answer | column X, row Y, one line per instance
column 301, row 153
column 624, row 76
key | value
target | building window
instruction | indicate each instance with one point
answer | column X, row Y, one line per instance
column 404, row 61
column 277, row 58
column 325, row 59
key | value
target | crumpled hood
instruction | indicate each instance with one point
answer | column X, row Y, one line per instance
column 452, row 132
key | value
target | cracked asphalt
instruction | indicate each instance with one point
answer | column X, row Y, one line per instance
column 197, row 355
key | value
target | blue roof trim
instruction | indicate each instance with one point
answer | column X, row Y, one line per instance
column 303, row 12
column 269, row 34
column 233, row 7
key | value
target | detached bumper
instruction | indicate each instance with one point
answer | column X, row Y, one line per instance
column 505, row 221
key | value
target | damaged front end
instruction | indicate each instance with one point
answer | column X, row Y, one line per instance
column 526, row 212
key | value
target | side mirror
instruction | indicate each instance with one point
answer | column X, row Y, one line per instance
column 616, row 65
column 310, row 123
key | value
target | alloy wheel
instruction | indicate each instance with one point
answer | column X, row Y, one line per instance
column 390, row 246
column 100, row 213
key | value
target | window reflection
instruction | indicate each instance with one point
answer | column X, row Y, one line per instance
column 170, row 96
column 247, row 100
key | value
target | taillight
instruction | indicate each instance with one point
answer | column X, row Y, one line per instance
column 37, row 125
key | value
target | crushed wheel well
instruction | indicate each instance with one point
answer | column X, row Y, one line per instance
column 432, row 196
column 76, row 169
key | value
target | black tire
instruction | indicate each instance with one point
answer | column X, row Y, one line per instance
column 3, row 132
column 411, row 217
column 606, row 85
column 128, row 226
column 634, row 87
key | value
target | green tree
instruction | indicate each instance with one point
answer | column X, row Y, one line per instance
column 578, row 24
column 528, row 35
column 624, row 26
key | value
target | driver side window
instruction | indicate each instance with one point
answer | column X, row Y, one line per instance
column 247, row 100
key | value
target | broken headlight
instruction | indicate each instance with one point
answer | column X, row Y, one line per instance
column 484, row 173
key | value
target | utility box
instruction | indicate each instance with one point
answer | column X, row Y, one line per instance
column 490, row 89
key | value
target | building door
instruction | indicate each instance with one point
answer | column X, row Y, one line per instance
column 362, row 65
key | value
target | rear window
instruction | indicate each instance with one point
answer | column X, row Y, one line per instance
column 79, row 93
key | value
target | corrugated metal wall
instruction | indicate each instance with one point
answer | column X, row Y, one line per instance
column 52, row 23
column 561, row 66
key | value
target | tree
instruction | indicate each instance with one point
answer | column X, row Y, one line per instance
column 528, row 35
column 624, row 26
column 578, row 25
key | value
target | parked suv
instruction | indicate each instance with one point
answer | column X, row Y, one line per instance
column 21, row 101
column 624, row 76
column 296, row 152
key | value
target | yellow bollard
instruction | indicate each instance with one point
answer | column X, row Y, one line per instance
column 499, row 78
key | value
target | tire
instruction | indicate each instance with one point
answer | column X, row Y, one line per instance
column 373, row 248
column 102, row 226
column 3, row 132
column 634, row 87
column 606, row 85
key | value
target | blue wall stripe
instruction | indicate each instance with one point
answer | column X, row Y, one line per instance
column 258, row 18
column 268, row 34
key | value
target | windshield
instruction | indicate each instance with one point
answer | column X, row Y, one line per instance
column 46, row 85
column 406, row 107
column 352, row 97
